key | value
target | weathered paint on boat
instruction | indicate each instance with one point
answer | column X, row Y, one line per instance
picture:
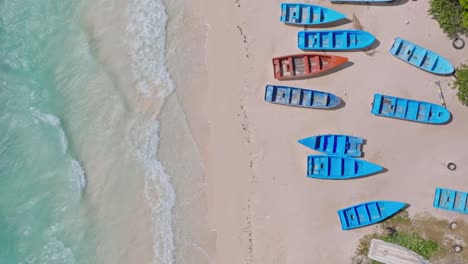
column 334, row 144
column 368, row 213
column 421, row 57
column 451, row 200
column 334, row 39
column 300, row 97
column 407, row 109
column 307, row 14
column 339, row 167
column 304, row 65
column 390, row 253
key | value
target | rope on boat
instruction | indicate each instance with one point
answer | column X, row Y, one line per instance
column 441, row 95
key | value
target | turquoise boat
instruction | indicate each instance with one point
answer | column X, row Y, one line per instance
column 421, row 57
column 293, row 96
column 340, row 145
column 334, row 40
column 451, row 200
column 306, row 14
column 339, row 167
column 417, row 111
column 368, row 213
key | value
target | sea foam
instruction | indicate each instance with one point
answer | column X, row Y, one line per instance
column 160, row 195
column 54, row 121
column 146, row 37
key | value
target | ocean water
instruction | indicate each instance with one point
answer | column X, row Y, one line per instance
column 82, row 87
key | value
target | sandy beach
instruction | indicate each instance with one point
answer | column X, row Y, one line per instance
column 261, row 206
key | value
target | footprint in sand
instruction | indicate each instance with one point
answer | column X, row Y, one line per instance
column 248, row 231
column 245, row 123
column 244, row 39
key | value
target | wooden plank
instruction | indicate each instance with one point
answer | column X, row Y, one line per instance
column 389, row 253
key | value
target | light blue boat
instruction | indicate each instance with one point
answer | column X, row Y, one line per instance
column 340, row 145
column 293, row 96
column 339, row 167
column 306, row 14
column 451, row 200
column 420, row 57
column 417, row 111
column 334, row 39
column 368, row 213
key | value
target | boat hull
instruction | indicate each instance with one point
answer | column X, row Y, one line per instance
column 299, row 97
column 329, row 167
column 451, row 200
column 420, row 57
column 306, row 14
column 384, row 252
column 368, row 213
column 299, row 66
column 411, row 110
column 331, row 144
column 334, row 40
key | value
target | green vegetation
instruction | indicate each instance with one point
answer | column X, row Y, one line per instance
column 464, row 4
column 461, row 83
column 451, row 15
column 412, row 241
column 428, row 236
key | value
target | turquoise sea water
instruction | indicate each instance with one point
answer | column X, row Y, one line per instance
column 79, row 132
column 41, row 180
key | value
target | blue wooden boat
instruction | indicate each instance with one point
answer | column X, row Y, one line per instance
column 334, row 40
column 340, row 145
column 451, row 200
column 293, row 96
column 368, row 213
column 306, row 14
column 417, row 111
column 420, row 57
column 339, row 167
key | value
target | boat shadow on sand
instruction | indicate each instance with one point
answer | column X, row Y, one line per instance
column 340, row 105
column 323, row 26
column 393, row 3
column 449, row 121
column 421, row 123
column 384, row 170
column 372, row 49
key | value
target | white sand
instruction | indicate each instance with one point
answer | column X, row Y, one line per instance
column 262, row 207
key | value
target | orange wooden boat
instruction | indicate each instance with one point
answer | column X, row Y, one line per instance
column 305, row 65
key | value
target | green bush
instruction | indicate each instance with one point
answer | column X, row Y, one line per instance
column 464, row 4
column 425, row 248
column 449, row 14
column 461, row 83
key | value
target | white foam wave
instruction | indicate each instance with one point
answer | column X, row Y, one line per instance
column 159, row 194
column 80, row 174
column 146, row 37
column 54, row 252
column 54, row 121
